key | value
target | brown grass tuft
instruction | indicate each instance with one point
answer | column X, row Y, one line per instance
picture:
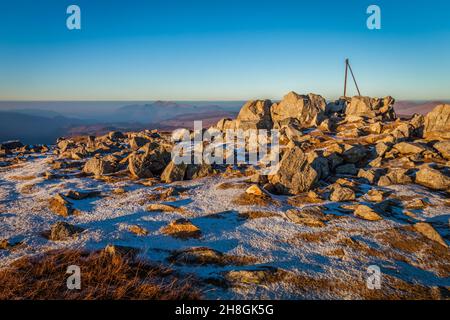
column 103, row 276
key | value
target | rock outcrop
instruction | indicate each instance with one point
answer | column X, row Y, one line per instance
column 295, row 175
column 375, row 108
column 437, row 123
column 255, row 115
column 308, row 109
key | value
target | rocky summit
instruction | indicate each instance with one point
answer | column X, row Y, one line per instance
column 355, row 186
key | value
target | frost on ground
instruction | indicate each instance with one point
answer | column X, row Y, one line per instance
column 258, row 256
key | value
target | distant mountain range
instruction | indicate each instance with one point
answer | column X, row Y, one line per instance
column 408, row 108
column 42, row 126
column 36, row 125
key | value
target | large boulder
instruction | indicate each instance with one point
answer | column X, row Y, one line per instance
column 148, row 163
column 444, row 148
column 437, row 123
column 138, row 142
column 355, row 153
column 226, row 124
column 100, row 166
column 62, row 231
column 371, row 107
column 395, row 176
column 255, row 114
column 428, row 231
column 178, row 172
column 432, row 178
column 307, row 109
column 174, row 172
column 295, row 175
column 409, row 148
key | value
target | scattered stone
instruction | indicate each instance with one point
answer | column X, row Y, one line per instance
column 367, row 213
column 99, row 166
column 59, row 205
column 348, row 169
column 120, row 251
column 409, row 148
column 255, row 190
column 250, row 199
column 432, row 178
column 173, row 172
column 163, row 208
column 138, row 142
column 395, row 176
column 258, row 276
column 428, row 231
column 62, row 231
column 416, row 204
column 138, row 230
column 354, row 154
column 375, row 195
column 310, row 197
column 340, row 193
column 80, row 195
column 444, row 148
column 437, row 123
column 309, row 216
column 182, row 228
column 371, row 107
column 255, row 115
column 307, row 109
column 4, row 244
column 206, row 256
column 381, row 148
column 295, row 174
column 257, row 214
column 115, row 135
column 371, row 175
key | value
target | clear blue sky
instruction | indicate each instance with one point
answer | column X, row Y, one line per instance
column 221, row 50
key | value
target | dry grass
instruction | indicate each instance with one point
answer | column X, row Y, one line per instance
column 103, row 276
column 391, row 288
column 22, row 178
column 257, row 214
column 246, row 199
column 233, row 185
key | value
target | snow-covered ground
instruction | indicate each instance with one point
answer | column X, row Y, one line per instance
column 24, row 216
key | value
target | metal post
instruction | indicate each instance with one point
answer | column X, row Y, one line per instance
column 345, row 81
column 353, row 76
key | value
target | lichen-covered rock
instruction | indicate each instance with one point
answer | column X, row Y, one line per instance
column 174, row 172
column 255, row 114
column 307, row 109
column 437, row 123
column 182, row 228
column 371, row 175
column 148, row 163
column 355, row 154
column 59, row 205
column 340, row 193
column 367, row 213
column 444, row 148
column 409, row 148
column 61, row 231
column 395, row 176
column 99, row 166
column 295, row 175
column 428, row 231
column 371, row 107
column 432, row 178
